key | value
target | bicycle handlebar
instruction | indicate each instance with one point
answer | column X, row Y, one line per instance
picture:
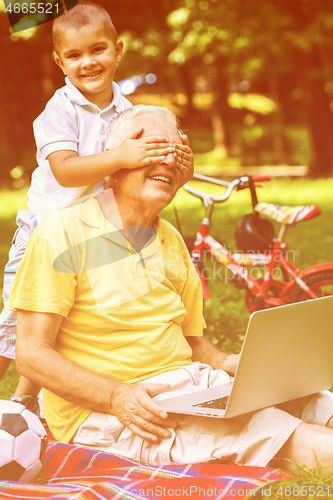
column 209, row 198
column 261, row 178
column 211, row 180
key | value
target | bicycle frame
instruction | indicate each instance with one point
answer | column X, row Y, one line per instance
column 260, row 289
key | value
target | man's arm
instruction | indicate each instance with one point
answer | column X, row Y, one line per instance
column 37, row 359
column 205, row 352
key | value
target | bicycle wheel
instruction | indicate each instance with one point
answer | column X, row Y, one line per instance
column 321, row 283
column 253, row 303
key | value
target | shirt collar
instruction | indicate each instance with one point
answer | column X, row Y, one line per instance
column 91, row 214
column 116, row 97
column 75, row 96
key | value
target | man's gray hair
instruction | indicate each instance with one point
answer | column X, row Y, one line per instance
column 123, row 124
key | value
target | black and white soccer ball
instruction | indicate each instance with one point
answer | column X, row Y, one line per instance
column 22, row 443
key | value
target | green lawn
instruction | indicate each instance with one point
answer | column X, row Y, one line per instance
column 226, row 316
column 310, row 242
column 10, row 202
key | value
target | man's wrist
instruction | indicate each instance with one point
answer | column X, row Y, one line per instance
column 229, row 364
column 117, row 386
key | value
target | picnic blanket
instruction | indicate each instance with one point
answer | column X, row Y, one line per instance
column 77, row 472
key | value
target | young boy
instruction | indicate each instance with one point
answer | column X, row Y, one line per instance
column 70, row 135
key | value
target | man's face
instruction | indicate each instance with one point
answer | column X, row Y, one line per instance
column 155, row 184
column 88, row 57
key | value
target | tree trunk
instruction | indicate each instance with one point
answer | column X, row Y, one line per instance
column 187, row 80
column 320, row 121
column 277, row 119
column 221, row 112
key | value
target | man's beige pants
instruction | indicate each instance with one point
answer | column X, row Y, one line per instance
column 251, row 439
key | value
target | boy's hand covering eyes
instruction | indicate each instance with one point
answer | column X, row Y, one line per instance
column 185, row 161
column 139, row 152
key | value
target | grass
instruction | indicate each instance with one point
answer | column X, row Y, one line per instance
column 10, row 202
column 225, row 313
column 308, row 483
column 226, row 316
column 311, row 243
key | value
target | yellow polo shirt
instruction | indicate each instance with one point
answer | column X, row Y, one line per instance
column 126, row 313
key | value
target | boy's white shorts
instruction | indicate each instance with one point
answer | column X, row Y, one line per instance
column 26, row 222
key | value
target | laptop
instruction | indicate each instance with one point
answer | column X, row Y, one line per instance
column 287, row 353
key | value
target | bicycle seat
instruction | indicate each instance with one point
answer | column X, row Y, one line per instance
column 288, row 215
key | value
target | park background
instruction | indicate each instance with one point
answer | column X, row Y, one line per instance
column 252, row 83
column 250, row 80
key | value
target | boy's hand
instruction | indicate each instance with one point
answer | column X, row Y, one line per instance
column 135, row 152
column 185, row 161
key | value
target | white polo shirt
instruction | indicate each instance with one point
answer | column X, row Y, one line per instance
column 68, row 122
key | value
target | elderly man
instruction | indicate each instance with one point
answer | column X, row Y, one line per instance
column 110, row 315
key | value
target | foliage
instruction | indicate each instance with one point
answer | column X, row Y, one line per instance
column 225, row 49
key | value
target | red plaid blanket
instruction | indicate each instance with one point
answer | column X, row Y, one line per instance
column 77, row 472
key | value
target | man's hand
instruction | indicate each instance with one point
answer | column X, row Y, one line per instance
column 139, row 152
column 205, row 352
column 185, row 161
column 133, row 406
column 230, row 364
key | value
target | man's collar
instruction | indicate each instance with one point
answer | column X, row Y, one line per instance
column 91, row 214
column 76, row 97
column 158, row 226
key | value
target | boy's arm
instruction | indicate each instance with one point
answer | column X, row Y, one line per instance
column 71, row 170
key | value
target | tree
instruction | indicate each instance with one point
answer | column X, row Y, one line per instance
column 276, row 47
column 256, row 40
column 28, row 79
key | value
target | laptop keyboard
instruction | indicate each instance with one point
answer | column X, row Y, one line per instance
column 218, row 403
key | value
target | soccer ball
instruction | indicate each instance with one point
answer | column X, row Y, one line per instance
column 22, row 443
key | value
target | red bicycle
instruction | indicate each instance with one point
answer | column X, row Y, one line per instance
column 282, row 282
